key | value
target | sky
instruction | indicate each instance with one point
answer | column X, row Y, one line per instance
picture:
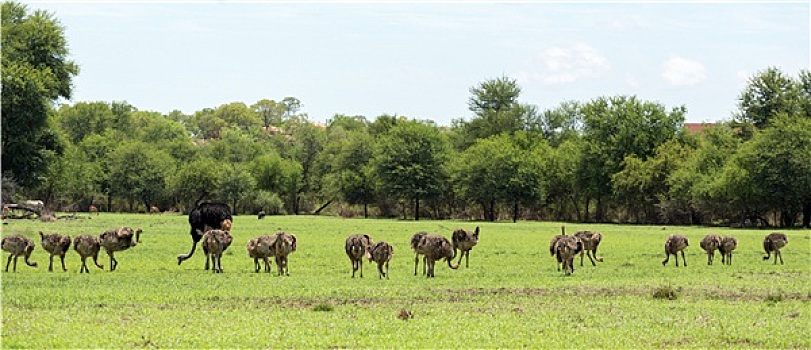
column 421, row 58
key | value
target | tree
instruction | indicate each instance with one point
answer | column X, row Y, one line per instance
column 195, row 181
column 410, row 162
column 36, row 72
column 615, row 128
column 776, row 163
column 496, row 110
column 270, row 111
column 498, row 169
column 138, row 172
column 767, row 94
column 236, row 183
column 353, row 173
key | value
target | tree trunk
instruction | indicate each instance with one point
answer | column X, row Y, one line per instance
column 515, row 211
column 492, row 210
column 234, row 209
column 417, row 208
column 576, row 209
column 365, row 210
column 318, row 211
column 109, row 203
column 586, row 213
column 807, row 215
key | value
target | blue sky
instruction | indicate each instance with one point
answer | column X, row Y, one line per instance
column 420, row 59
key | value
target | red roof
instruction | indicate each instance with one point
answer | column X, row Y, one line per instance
column 697, row 128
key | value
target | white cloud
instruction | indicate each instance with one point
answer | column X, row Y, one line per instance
column 683, row 72
column 567, row 64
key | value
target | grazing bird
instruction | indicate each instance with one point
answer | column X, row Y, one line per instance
column 87, row 246
column 55, row 244
column 120, row 239
column 554, row 242
column 261, row 215
column 261, row 248
column 710, row 243
column 566, row 248
column 591, row 241
column 154, row 210
column 728, row 244
column 415, row 241
column 772, row 244
column 673, row 245
column 436, row 247
column 381, row 253
column 18, row 245
column 285, row 243
column 214, row 243
column 204, row 217
column 357, row 247
column 93, row 210
column 464, row 241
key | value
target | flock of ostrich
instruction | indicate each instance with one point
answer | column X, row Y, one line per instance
column 211, row 225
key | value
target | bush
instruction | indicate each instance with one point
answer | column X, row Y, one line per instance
column 665, row 292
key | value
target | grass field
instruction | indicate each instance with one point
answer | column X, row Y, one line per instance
column 511, row 296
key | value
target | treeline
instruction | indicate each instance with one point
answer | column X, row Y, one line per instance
column 609, row 159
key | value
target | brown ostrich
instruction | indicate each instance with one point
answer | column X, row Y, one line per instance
column 381, row 253
column 464, row 241
column 18, row 245
column 357, row 248
column 120, row 239
column 87, row 246
column 674, row 245
column 55, row 244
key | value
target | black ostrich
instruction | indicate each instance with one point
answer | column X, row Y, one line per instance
column 206, row 216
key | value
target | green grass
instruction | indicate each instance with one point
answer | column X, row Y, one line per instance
column 511, row 296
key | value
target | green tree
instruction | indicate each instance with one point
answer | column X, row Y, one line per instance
column 642, row 185
column 236, row 183
column 561, row 169
column 767, row 94
column 138, row 172
column 196, row 180
column 36, row 72
column 308, row 142
column 270, row 112
column 614, row 128
column 83, row 119
column 496, row 110
column 410, row 162
column 497, row 169
column 353, row 172
column 776, row 162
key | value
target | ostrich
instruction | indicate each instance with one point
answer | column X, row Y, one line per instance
column 554, row 242
column 214, row 243
column 206, row 216
column 415, row 241
column 566, row 248
column 87, row 246
column 285, row 243
column 382, row 253
column 261, row 248
column 591, row 241
column 55, row 244
column 728, row 244
column 464, row 241
column 18, row 245
column 357, row 248
column 710, row 243
column 435, row 248
column 673, row 245
column 114, row 240
column 773, row 243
